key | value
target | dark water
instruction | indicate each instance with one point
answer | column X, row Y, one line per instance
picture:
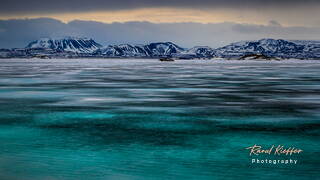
column 144, row 119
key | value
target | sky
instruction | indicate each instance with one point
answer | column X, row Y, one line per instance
column 187, row 22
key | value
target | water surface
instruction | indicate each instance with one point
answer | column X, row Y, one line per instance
column 145, row 119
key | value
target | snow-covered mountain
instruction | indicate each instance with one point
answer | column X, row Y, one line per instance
column 69, row 44
column 151, row 50
column 122, row 50
column 311, row 48
column 201, row 52
column 163, row 49
column 272, row 48
column 268, row 47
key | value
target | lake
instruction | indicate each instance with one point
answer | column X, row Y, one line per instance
column 136, row 119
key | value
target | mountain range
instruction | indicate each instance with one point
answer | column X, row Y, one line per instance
column 72, row 47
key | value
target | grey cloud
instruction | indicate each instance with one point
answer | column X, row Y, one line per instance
column 14, row 7
column 276, row 29
column 17, row 33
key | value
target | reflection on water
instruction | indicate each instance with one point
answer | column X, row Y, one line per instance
column 144, row 119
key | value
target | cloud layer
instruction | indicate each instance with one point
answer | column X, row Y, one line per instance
column 49, row 6
column 17, row 33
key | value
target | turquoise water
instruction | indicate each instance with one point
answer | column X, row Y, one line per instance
column 144, row 119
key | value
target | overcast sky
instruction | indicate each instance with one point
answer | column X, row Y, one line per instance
column 287, row 12
column 187, row 22
column 60, row 6
column 17, row 33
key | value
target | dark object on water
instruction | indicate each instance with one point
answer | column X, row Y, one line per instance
column 41, row 56
column 166, row 59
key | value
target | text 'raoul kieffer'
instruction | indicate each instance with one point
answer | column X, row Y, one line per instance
column 275, row 150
